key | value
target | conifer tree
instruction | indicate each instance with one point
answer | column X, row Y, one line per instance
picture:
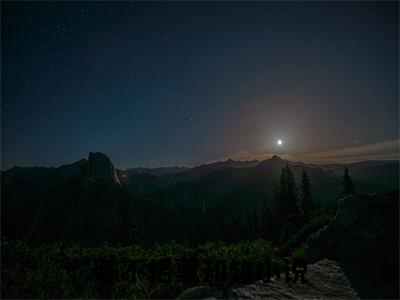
column 287, row 197
column 306, row 204
column 347, row 183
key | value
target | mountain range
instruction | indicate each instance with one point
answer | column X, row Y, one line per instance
column 79, row 201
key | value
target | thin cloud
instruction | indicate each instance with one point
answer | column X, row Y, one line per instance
column 378, row 151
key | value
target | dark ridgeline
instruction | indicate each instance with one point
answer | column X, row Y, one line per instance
column 91, row 202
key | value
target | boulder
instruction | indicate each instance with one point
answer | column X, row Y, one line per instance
column 200, row 292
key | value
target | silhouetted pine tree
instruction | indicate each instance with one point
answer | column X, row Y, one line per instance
column 306, row 204
column 347, row 183
column 287, row 197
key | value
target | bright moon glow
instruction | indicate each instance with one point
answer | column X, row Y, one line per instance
column 279, row 142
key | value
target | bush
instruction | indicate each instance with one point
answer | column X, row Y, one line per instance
column 59, row 271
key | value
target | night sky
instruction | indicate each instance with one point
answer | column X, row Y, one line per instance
column 185, row 83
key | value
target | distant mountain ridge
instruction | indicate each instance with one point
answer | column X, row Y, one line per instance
column 380, row 173
column 78, row 202
column 354, row 167
column 197, row 171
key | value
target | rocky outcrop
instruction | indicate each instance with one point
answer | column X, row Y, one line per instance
column 99, row 166
column 325, row 279
column 364, row 237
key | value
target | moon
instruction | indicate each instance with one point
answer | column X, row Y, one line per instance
column 279, row 142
